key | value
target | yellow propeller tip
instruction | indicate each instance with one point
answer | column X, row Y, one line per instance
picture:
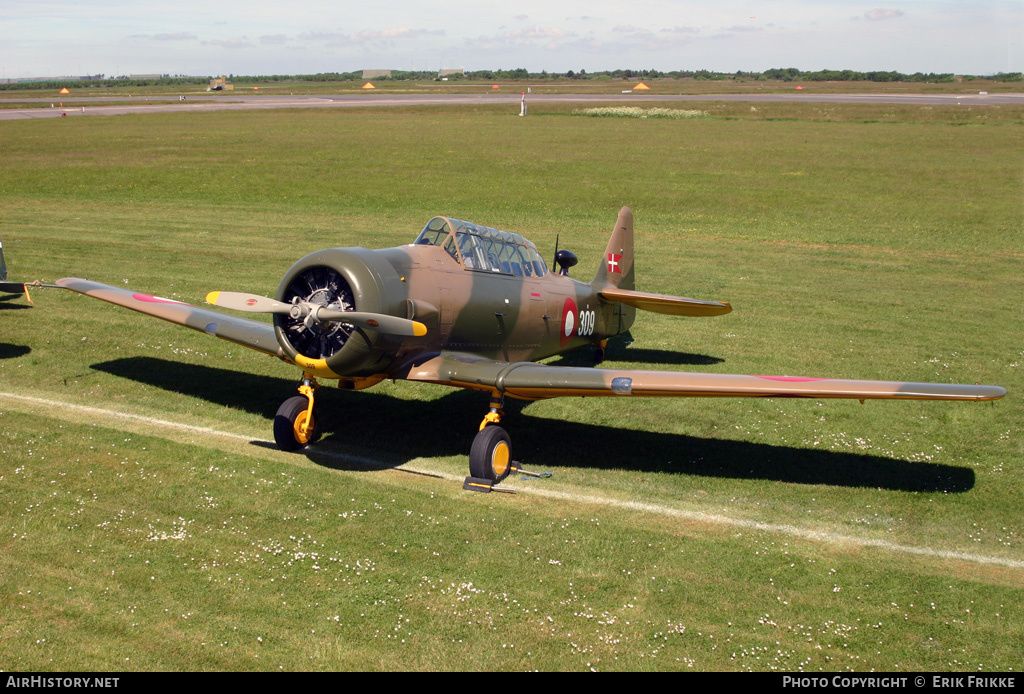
column 418, row 329
column 212, row 297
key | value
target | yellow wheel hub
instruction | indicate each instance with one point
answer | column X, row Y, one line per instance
column 500, row 458
column 303, row 432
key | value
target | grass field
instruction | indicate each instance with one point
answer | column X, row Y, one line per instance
column 151, row 526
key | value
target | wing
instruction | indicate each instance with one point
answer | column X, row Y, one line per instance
column 242, row 331
column 530, row 381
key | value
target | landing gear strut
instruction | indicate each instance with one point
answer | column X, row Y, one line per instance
column 295, row 425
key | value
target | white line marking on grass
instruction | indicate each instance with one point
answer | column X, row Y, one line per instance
column 642, row 507
column 164, row 423
column 783, row 529
column 96, row 411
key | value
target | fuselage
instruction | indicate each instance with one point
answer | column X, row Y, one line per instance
column 500, row 315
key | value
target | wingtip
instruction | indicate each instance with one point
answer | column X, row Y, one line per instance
column 996, row 393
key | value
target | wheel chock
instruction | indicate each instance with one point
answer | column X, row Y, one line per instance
column 479, row 484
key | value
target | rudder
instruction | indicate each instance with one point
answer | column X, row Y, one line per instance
column 616, row 268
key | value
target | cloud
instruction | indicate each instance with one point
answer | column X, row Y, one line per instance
column 879, row 14
column 532, row 38
column 241, row 42
column 535, row 32
column 680, row 30
column 322, row 36
column 179, row 36
column 274, row 40
column 371, row 37
column 389, row 35
column 368, row 37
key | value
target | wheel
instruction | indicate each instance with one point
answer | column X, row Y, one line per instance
column 287, row 422
column 490, row 457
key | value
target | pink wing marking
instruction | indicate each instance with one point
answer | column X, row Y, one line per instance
column 149, row 298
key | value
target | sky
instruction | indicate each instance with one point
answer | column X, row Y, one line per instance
column 255, row 37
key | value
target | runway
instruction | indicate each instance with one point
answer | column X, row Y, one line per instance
column 116, row 106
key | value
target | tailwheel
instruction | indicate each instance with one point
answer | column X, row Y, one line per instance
column 294, row 426
column 490, row 457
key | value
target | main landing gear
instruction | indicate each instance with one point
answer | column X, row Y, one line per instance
column 295, row 424
column 490, row 457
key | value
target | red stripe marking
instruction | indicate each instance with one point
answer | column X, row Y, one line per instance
column 537, row 294
column 789, row 379
column 150, row 299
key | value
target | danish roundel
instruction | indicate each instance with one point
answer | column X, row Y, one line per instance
column 569, row 321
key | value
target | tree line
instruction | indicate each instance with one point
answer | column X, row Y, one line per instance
column 775, row 74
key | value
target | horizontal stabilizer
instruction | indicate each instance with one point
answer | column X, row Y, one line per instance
column 12, row 287
column 662, row 303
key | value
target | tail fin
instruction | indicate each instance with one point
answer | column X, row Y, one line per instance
column 616, row 268
column 615, row 282
column 3, row 265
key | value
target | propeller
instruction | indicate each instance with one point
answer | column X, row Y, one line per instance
column 312, row 314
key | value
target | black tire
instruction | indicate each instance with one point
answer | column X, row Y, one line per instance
column 284, row 424
column 490, row 457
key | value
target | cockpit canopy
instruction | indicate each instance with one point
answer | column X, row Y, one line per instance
column 482, row 248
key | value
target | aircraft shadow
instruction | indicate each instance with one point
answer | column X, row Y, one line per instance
column 9, row 351
column 6, row 301
column 365, row 425
column 620, row 348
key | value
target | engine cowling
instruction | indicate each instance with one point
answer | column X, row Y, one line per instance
column 342, row 279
